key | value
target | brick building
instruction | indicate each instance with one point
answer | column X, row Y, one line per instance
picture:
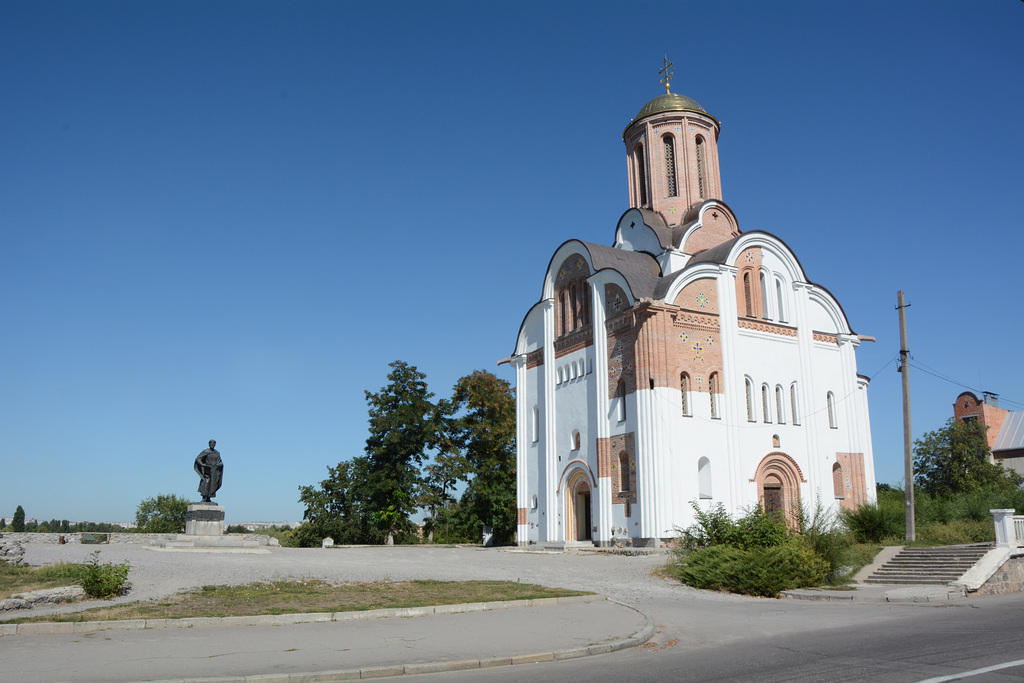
column 1004, row 429
column 688, row 361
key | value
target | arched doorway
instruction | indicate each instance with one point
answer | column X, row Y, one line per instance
column 778, row 480
column 577, row 508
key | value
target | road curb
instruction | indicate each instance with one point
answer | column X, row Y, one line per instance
column 881, row 600
column 634, row 640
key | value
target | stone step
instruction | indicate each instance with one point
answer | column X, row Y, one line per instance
column 928, row 566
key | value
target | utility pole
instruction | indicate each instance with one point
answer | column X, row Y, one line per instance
column 908, row 453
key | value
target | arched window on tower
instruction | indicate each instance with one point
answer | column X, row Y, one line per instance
column 641, row 172
column 748, row 300
column 620, row 398
column 701, row 181
column 831, row 400
column 780, row 405
column 750, row 399
column 684, row 390
column 781, row 304
column 704, row 477
column 670, row 166
column 712, row 390
column 764, row 298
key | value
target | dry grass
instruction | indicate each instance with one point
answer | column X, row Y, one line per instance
column 295, row 597
column 24, row 579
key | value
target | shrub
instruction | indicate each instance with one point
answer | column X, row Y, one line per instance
column 874, row 522
column 712, row 528
column 755, row 571
column 106, row 580
column 956, row 532
column 823, row 533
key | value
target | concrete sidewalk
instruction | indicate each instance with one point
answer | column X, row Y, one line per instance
column 316, row 649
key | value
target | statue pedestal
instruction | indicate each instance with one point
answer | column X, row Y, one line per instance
column 204, row 519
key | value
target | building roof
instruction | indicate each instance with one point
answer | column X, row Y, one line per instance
column 640, row 269
column 1011, row 435
column 671, row 102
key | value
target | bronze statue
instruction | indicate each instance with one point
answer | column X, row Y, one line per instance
column 210, row 469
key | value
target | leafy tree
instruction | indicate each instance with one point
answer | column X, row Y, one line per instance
column 484, row 432
column 402, row 429
column 336, row 507
column 18, row 524
column 955, row 459
column 439, row 480
column 164, row 514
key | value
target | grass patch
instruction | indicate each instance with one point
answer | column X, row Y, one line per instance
column 24, row 579
column 313, row 595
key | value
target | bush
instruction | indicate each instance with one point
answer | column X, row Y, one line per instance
column 823, row 533
column 712, row 528
column 756, row 529
column 755, row 571
column 106, row 580
column 874, row 522
column 957, row 532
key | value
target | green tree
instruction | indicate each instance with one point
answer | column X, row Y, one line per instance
column 402, row 430
column 955, row 459
column 336, row 507
column 436, row 490
column 164, row 514
column 18, row 524
column 483, row 429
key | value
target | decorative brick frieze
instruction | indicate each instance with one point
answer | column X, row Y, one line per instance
column 535, row 359
column 827, row 338
column 574, row 341
column 772, row 328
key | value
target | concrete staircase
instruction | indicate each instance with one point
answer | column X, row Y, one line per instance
column 929, row 566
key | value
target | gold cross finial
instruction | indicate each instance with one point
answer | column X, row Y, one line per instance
column 667, row 73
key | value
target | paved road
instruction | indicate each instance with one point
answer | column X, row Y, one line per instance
column 699, row 636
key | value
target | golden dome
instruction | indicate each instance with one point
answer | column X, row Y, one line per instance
column 670, row 102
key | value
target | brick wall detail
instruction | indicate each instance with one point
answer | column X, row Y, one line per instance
column 969, row 405
column 608, row 456
column 535, row 359
column 853, row 488
column 521, row 516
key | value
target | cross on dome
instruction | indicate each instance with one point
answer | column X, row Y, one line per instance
column 667, row 74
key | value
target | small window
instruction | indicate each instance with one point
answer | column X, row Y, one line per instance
column 533, row 502
column 560, row 380
column 831, row 399
column 701, row 180
column 766, row 408
column 670, row 166
column 780, row 405
column 837, row 481
column 590, row 365
column 684, row 391
column 750, row 400
column 793, row 404
column 748, row 300
column 624, row 478
column 764, row 299
column 712, row 390
column 704, row 477
column 641, row 174
column 574, row 305
column 562, row 326
column 536, row 424
column 781, row 306
column 575, row 439
column 620, row 397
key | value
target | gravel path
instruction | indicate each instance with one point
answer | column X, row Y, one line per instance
column 155, row 574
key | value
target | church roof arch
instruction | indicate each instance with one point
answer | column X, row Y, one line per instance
column 772, row 244
column 640, row 270
column 533, row 316
column 669, row 288
column 652, row 235
column 693, row 220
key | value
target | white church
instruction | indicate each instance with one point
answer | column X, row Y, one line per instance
column 689, row 361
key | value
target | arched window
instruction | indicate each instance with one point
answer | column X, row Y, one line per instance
column 837, row 481
column 620, row 397
column 782, row 307
column 701, row 183
column 560, row 380
column 574, row 305
column 684, row 390
column 670, row 166
column 624, row 472
column 780, row 405
column 750, row 399
column 575, row 439
column 748, row 299
column 704, row 477
column 641, row 174
column 766, row 407
column 793, row 404
column 536, row 424
column 831, row 399
column 562, row 329
column 712, row 390
column 764, row 298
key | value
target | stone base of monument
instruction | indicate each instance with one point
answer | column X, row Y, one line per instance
column 204, row 519
column 204, row 530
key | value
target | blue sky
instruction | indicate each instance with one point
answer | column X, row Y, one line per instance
column 224, row 219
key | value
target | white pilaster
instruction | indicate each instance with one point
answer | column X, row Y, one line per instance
column 732, row 402
column 523, row 417
column 549, row 455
